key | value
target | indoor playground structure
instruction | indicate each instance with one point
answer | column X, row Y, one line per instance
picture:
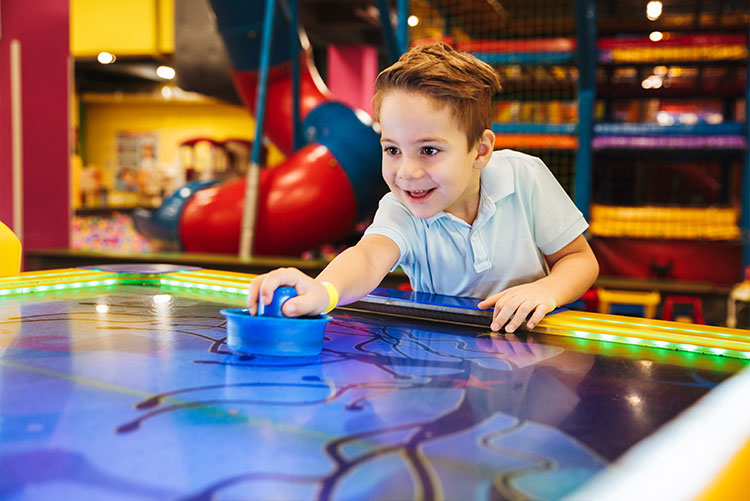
column 653, row 153
column 331, row 178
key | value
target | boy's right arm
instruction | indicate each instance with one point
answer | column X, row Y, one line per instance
column 354, row 273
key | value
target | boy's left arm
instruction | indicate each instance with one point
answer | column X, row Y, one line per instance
column 573, row 269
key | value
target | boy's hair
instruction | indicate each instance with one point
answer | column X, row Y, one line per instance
column 448, row 76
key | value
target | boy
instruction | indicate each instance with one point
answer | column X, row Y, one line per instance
column 459, row 219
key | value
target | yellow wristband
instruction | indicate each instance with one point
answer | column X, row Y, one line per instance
column 333, row 296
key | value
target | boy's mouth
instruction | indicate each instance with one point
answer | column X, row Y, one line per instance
column 418, row 194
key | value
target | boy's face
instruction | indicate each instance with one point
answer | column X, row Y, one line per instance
column 426, row 160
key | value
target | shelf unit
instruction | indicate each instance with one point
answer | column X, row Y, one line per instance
column 542, row 121
column 689, row 222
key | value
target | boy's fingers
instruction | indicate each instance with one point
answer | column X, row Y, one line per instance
column 299, row 306
column 497, row 321
column 491, row 300
column 276, row 279
column 537, row 317
column 503, row 312
column 520, row 317
column 252, row 294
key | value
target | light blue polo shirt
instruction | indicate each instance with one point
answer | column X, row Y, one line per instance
column 523, row 214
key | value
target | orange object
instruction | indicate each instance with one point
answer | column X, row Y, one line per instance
column 10, row 252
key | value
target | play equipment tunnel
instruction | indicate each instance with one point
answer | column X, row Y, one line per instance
column 318, row 193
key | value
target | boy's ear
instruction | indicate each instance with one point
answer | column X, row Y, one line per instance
column 485, row 149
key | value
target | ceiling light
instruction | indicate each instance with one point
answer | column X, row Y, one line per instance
column 655, row 36
column 165, row 72
column 664, row 118
column 652, row 82
column 106, row 58
column 653, row 10
column 412, row 21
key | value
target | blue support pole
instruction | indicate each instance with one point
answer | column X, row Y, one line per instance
column 294, row 47
column 252, row 183
column 265, row 64
column 745, row 221
column 402, row 33
column 389, row 36
column 587, row 56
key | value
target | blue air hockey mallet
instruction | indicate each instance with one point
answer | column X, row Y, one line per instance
column 270, row 332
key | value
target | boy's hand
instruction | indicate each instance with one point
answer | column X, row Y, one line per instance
column 514, row 304
column 312, row 296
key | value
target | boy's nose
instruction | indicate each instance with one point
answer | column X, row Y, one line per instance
column 410, row 170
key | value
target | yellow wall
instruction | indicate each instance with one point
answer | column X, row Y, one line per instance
column 123, row 27
column 172, row 121
column 139, row 28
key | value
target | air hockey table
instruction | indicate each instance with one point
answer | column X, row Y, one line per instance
column 116, row 383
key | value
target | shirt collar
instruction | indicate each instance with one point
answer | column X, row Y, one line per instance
column 498, row 180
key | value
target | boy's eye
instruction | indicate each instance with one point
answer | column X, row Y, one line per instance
column 391, row 150
column 430, row 151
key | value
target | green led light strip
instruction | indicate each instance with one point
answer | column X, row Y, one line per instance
column 651, row 343
column 218, row 283
column 648, row 329
column 654, row 325
column 57, row 274
column 217, row 274
column 226, row 280
column 637, row 334
column 59, row 287
column 204, row 287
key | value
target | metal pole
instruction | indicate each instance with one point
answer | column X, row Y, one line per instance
column 586, row 34
column 745, row 222
column 294, row 47
column 16, row 130
column 402, row 33
column 391, row 44
column 252, row 183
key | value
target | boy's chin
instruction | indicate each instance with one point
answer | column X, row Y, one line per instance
column 421, row 212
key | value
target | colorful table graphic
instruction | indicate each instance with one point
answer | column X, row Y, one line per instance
column 123, row 388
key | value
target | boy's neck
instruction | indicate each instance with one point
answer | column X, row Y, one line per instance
column 470, row 210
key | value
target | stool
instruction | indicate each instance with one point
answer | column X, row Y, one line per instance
column 695, row 302
column 10, row 252
column 649, row 300
column 591, row 299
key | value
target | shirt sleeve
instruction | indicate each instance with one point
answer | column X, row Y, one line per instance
column 556, row 219
column 394, row 221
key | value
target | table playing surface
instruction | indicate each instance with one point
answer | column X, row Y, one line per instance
column 124, row 389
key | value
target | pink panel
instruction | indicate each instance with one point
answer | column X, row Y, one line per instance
column 351, row 74
column 42, row 27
